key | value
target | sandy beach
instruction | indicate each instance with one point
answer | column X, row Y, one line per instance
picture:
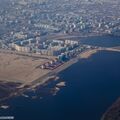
column 88, row 53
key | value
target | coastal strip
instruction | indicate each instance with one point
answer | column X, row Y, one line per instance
column 52, row 74
column 113, row 113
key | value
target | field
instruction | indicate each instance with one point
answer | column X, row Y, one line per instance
column 22, row 69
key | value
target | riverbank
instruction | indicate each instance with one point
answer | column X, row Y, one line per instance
column 72, row 35
column 86, row 87
column 86, row 55
column 48, row 75
column 113, row 113
column 51, row 75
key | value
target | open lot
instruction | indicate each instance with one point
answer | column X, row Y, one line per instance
column 23, row 69
column 88, row 53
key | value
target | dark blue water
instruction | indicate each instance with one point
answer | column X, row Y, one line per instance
column 103, row 41
column 92, row 85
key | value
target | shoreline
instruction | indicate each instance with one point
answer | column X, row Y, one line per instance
column 52, row 74
column 113, row 109
column 72, row 35
column 84, row 55
column 48, row 76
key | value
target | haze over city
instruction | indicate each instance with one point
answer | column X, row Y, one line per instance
column 59, row 59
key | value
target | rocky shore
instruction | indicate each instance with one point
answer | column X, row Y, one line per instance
column 113, row 113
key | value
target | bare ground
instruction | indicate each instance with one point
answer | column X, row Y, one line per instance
column 16, row 68
column 88, row 53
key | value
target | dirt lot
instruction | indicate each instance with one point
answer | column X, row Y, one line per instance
column 87, row 54
column 23, row 69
